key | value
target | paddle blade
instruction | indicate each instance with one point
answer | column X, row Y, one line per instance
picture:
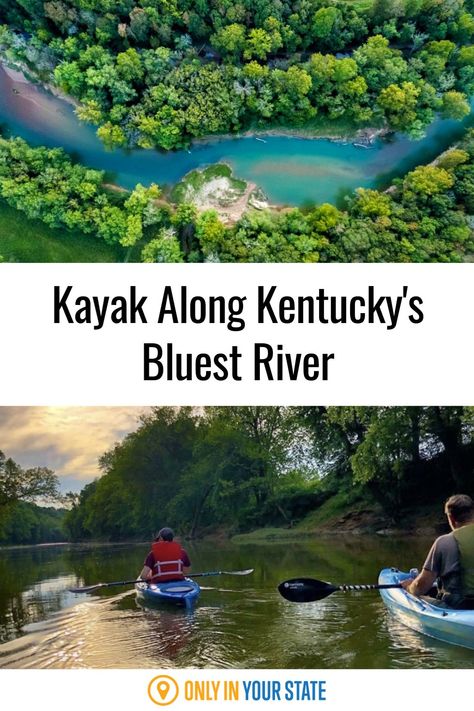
column 305, row 589
column 238, row 572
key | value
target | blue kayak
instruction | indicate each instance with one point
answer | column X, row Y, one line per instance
column 445, row 624
column 184, row 592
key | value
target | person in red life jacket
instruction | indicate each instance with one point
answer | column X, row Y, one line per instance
column 167, row 560
column 451, row 559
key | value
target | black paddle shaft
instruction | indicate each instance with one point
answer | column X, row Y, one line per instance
column 97, row 586
column 346, row 588
column 310, row 590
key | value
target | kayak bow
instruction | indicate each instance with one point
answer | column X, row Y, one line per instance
column 418, row 613
column 177, row 591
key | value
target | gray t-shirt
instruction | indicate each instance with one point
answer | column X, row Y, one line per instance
column 443, row 560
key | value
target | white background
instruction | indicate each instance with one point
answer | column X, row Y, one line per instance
column 347, row 690
column 47, row 364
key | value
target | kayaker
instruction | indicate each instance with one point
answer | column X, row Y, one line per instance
column 167, row 560
column 451, row 559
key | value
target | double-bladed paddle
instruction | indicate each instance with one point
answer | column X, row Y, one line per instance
column 97, row 586
column 309, row 590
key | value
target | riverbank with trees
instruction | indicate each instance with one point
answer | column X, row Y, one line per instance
column 236, row 469
column 161, row 78
column 225, row 471
column 425, row 217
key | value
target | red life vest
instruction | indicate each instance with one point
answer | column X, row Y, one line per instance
column 168, row 563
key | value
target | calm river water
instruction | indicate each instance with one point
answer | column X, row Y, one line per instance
column 238, row 622
column 290, row 170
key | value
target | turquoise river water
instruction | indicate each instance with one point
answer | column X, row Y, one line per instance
column 290, row 170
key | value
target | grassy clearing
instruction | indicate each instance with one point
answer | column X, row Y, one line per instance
column 344, row 504
column 335, row 508
column 24, row 240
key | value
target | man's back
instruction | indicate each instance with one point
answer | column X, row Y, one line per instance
column 451, row 559
column 465, row 541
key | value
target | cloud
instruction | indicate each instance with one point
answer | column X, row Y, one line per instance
column 69, row 440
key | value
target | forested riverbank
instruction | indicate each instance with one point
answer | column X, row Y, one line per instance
column 425, row 218
column 154, row 76
column 225, row 471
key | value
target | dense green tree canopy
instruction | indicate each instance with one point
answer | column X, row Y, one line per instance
column 161, row 74
column 244, row 467
column 426, row 217
column 46, row 184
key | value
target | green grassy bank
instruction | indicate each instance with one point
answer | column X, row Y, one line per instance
column 345, row 514
column 24, row 240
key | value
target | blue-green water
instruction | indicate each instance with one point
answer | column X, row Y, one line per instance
column 290, row 170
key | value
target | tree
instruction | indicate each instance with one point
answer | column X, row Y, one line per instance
column 449, row 425
column 427, row 181
column 391, row 441
column 140, row 24
column 164, row 248
column 129, row 66
column 372, row 203
column 111, row 135
column 383, row 10
column 453, row 158
column 211, row 234
column 18, row 484
column 259, row 44
column 455, row 105
column 325, row 22
column 184, row 219
column 379, row 64
column 266, row 439
column 230, row 40
column 399, row 104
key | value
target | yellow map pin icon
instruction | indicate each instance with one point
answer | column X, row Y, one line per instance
column 163, row 690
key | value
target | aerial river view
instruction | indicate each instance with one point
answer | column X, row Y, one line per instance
column 289, row 169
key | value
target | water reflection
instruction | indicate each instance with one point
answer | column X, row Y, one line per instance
column 238, row 622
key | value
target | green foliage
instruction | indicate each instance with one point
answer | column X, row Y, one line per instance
column 153, row 77
column 425, row 217
column 18, row 484
column 240, row 468
column 164, row 248
column 26, row 240
column 21, row 521
column 427, row 181
column 455, row 105
column 26, row 523
column 45, row 184
column 221, row 465
column 391, row 450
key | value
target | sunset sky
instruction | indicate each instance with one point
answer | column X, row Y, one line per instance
column 68, row 440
